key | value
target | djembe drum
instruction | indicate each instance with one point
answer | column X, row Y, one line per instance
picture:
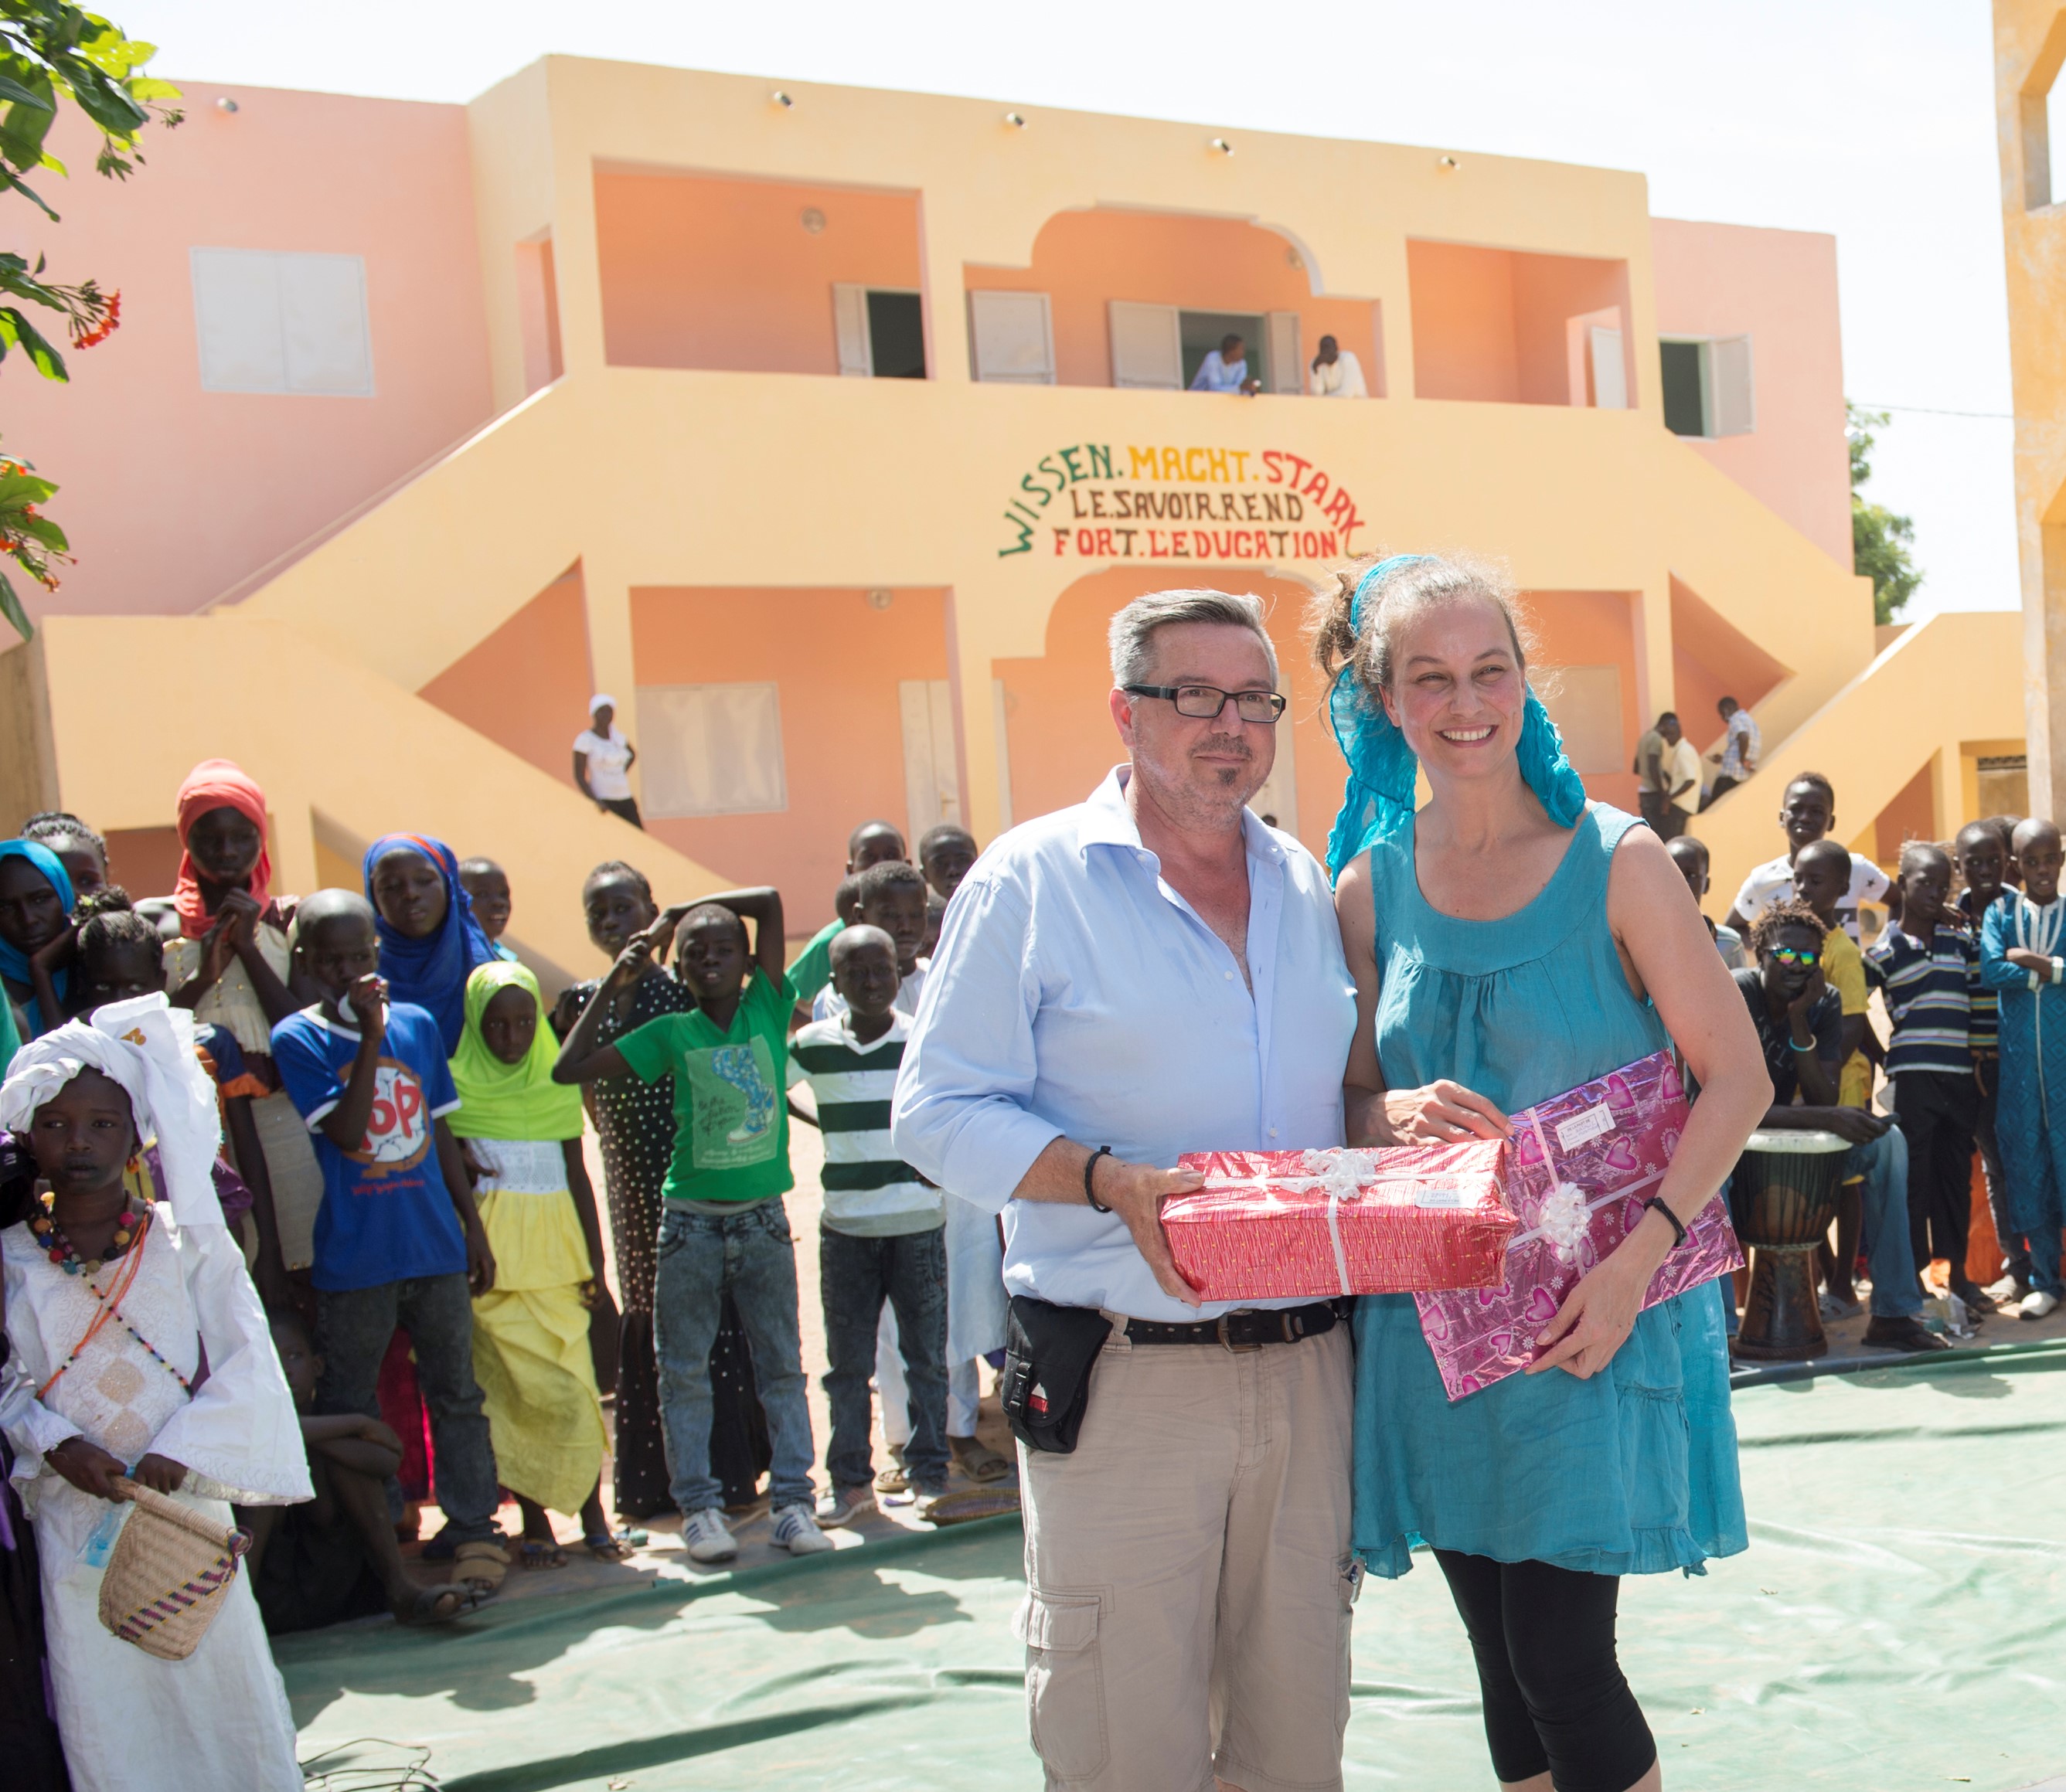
column 1784, row 1197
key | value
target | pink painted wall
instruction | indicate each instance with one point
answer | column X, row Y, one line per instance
column 1779, row 288
column 699, row 271
column 1082, row 259
column 171, row 495
column 1489, row 324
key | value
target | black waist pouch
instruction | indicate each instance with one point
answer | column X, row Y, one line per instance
column 1048, row 1351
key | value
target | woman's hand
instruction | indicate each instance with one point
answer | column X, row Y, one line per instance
column 1442, row 1113
column 88, row 1467
column 1598, row 1314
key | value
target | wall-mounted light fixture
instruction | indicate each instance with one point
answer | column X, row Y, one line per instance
column 1447, row 163
column 226, row 104
column 1222, row 145
column 782, row 100
column 1016, row 120
column 813, row 219
column 878, row 600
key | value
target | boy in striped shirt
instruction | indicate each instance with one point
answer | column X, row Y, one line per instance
column 1927, row 967
column 883, row 1233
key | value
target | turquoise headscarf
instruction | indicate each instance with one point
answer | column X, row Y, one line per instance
column 1379, row 800
column 14, row 961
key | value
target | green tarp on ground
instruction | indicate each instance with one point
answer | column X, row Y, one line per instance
column 1899, row 1622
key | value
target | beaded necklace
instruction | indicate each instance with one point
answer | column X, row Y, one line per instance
column 61, row 1253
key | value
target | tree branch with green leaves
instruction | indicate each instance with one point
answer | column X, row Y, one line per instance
column 52, row 54
column 1880, row 539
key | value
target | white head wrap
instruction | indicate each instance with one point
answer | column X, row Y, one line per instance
column 601, row 701
column 147, row 1046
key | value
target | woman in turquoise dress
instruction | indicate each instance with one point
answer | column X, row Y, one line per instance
column 1511, row 941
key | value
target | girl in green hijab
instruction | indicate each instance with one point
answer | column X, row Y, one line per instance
column 530, row 1331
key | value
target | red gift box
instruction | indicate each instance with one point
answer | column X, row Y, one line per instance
column 1310, row 1225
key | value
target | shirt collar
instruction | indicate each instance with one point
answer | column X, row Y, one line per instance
column 1108, row 821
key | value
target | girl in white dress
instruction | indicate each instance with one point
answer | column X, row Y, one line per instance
column 137, row 1345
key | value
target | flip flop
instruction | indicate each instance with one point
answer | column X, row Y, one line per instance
column 612, row 1547
column 978, row 1461
column 534, row 1552
column 480, row 1564
column 437, row 1605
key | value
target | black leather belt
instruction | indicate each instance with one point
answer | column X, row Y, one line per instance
column 1246, row 1330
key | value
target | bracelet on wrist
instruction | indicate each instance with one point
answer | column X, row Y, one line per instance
column 1090, row 1165
column 1658, row 1203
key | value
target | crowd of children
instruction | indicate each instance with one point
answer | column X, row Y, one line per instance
column 296, row 1216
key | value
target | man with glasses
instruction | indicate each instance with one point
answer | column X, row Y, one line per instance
column 1800, row 1020
column 1151, row 972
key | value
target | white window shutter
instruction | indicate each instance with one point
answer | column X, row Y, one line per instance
column 1013, row 338
column 1287, row 359
column 850, row 324
column 932, row 781
column 1735, row 409
column 712, row 750
column 1609, row 371
column 1147, row 345
column 237, row 320
column 999, row 710
column 323, row 319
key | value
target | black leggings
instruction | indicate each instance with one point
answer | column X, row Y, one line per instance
column 1554, row 1697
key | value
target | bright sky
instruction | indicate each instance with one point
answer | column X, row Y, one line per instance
column 1873, row 120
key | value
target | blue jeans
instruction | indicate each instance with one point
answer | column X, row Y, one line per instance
column 699, row 1257
column 855, row 1276
column 1889, row 1255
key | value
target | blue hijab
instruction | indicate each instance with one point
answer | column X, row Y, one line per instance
column 14, row 961
column 431, row 973
column 1378, row 801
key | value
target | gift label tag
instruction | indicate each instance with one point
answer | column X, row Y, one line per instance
column 1594, row 1121
column 1439, row 1198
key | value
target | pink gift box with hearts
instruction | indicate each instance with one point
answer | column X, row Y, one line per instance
column 1578, row 1170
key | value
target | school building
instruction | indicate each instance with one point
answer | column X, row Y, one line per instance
column 825, row 428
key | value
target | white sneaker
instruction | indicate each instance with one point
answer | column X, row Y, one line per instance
column 794, row 1529
column 843, row 1505
column 2036, row 1304
column 708, row 1537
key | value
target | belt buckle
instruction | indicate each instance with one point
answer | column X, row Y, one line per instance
column 1221, row 1331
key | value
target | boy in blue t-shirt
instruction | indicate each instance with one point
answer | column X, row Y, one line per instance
column 723, row 1228
column 397, row 1239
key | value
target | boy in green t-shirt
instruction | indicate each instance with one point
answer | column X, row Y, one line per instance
column 724, row 1228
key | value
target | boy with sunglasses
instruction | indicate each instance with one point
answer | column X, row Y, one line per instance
column 1800, row 1021
column 1926, row 966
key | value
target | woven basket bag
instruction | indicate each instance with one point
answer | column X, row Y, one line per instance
column 161, row 1588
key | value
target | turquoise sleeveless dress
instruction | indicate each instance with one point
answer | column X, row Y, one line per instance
column 1633, row 1472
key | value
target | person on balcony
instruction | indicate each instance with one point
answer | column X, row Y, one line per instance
column 1335, row 373
column 603, row 759
column 1225, row 369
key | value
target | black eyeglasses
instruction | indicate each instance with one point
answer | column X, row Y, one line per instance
column 1204, row 702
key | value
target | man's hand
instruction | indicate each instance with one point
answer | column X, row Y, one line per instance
column 367, row 1000
column 160, row 1474
column 1442, row 1113
column 479, row 1261
column 1803, row 1005
column 88, row 1467
column 1135, row 1192
column 1855, row 1126
column 2025, row 960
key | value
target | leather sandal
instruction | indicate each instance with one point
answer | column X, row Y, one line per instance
column 480, row 1564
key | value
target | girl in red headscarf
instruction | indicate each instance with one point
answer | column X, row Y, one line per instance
column 231, row 965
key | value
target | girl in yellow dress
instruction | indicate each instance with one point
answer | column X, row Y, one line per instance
column 530, row 1331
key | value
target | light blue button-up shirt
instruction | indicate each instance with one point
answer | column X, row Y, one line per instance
column 1076, row 993
column 1216, row 375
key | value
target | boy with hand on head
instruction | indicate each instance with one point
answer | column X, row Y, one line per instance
column 873, row 843
column 724, row 1227
column 1926, row 966
column 892, row 898
column 883, row 1237
column 398, row 1240
column 1800, row 1023
column 2023, row 959
column 337, row 1557
column 1807, row 813
column 1690, row 856
column 487, row 886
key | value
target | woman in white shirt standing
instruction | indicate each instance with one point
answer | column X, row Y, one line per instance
column 1336, row 372
column 603, row 759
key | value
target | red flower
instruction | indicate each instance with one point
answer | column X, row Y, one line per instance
column 110, row 321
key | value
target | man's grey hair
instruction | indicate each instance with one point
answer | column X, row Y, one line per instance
column 1133, row 633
